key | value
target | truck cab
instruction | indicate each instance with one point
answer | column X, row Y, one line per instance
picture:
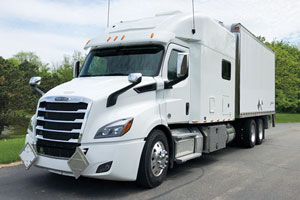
column 150, row 93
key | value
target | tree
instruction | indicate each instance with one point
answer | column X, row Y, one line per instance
column 65, row 70
column 30, row 57
column 287, row 76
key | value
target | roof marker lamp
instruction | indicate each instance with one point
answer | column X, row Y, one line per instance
column 114, row 129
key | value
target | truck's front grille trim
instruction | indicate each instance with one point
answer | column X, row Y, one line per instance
column 41, row 137
column 62, row 111
column 59, row 123
column 52, row 130
column 66, row 106
column 59, row 126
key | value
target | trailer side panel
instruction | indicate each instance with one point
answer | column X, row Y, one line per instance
column 256, row 71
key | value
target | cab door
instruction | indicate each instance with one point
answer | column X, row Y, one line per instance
column 175, row 108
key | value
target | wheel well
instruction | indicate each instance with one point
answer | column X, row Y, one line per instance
column 168, row 133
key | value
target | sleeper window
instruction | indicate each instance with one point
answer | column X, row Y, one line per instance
column 226, row 70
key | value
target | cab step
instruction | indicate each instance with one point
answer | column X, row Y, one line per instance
column 183, row 159
column 188, row 143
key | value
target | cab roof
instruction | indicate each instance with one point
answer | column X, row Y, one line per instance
column 163, row 28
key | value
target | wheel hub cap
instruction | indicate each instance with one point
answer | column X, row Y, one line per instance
column 159, row 158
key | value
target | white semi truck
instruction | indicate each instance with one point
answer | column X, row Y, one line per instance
column 151, row 93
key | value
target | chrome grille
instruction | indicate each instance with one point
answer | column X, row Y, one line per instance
column 59, row 125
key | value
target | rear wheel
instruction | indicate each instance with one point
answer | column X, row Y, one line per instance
column 154, row 161
column 248, row 135
column 260, row 131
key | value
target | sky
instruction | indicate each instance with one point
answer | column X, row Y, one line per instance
column 54, row 28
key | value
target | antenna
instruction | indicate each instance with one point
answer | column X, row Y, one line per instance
column 108, row 8
column 193, row 29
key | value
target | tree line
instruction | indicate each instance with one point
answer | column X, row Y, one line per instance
column 18, row 100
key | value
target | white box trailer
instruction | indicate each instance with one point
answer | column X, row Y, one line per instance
column 255, row 91
column 191, row 90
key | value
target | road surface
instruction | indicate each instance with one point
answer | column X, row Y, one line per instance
column 268, row 171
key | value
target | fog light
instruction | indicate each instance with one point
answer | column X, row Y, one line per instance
column 104, row 167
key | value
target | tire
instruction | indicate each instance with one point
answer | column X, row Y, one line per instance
column 248, row 136
column 154, row 162
column 260, row 131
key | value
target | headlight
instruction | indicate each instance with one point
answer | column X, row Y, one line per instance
column 114, row 129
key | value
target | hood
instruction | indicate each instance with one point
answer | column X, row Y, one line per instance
column 94, row 88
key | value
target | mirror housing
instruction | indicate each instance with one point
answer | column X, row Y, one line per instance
column 182, row 64
column 76, row 69
column 135, row 78
column 34, row 82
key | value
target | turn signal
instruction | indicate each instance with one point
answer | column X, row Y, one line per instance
column 127, row 127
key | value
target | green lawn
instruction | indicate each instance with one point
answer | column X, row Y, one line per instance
column 287, row 118
column 10, row 147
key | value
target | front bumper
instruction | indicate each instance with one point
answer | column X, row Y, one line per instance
column 125, row 157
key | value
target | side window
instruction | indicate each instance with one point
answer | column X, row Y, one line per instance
column 98, row 66
column 172, row 65
column 226, row 70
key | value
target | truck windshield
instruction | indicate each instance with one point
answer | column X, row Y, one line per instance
column 121, row 61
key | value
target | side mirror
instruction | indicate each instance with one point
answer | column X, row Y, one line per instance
column 135, row 78
column 34, row 82
column 76, row 69
column 182, row 64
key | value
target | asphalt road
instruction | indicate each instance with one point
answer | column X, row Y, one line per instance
column 268, row 171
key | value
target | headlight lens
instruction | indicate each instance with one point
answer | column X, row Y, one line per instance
column 114, row 129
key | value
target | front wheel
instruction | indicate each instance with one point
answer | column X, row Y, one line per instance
column 154, row 161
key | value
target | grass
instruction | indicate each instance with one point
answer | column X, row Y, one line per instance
column 11, row 145
column 287, row 118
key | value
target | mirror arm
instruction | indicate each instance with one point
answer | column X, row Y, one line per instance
column 169, row 84
column 38, row 90
column 112, row 98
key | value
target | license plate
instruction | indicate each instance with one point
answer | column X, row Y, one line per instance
column 28, row 155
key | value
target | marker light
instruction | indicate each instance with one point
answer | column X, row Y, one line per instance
column 88, row 42
column 152, row 35
column 116, row 38
column 108, row 39
column 237, row 28
column 123, row 37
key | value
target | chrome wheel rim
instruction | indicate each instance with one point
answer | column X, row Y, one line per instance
column 260, row 132
column 159, row 158
column 253, row 134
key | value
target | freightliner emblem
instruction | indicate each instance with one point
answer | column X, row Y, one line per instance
column 61, row 99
